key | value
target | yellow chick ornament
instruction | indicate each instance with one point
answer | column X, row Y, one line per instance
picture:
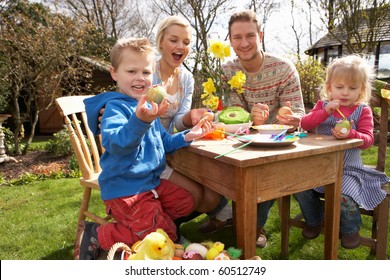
column 155, row 246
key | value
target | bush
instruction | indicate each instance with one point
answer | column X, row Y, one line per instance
column 60, row 144
column 312, row 76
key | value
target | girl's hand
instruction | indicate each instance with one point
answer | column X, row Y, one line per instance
column 199, row 130
column 332, row 106
column 259, row 113
column 148, row 115
column 339, row 135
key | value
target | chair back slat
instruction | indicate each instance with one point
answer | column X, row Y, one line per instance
column 83, row 141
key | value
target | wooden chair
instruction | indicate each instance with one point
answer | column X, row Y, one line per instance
column 380, row 215
column 86, row 149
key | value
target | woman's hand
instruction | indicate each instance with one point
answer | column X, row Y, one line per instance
column 196, row 115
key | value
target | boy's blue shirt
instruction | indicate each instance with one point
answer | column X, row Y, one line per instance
column 134, row 156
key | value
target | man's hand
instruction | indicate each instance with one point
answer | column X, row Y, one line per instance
column 292, row 119
column 259, row 113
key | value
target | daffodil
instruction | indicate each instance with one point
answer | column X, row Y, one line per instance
column 215, row 87
column 209, row 86
column 237, row 81
column 219, row 49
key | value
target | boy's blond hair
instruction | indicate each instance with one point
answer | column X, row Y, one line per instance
column 352, row 69
column 166, row 23
column 141, row 45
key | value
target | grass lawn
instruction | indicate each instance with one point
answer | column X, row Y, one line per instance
column 38, row 221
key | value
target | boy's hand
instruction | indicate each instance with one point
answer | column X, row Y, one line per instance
column 199, row 130
column 148, row 115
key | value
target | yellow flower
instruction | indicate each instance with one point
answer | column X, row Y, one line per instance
column 219, row 49
column 211, row 101
column 216, row 88
column 237, row 81
column 208, row 87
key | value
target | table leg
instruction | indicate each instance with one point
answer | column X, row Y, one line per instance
column 246, row 216
column 285, row 225
column 332, row 212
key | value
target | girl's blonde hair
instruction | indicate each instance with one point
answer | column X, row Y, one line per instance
column 141, row 45
column 352, row 69
column 166, row 23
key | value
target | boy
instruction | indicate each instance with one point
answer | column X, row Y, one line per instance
column 135, row 145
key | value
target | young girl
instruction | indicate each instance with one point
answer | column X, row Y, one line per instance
column 347, row 89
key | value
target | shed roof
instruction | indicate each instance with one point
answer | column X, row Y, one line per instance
column 329, row 40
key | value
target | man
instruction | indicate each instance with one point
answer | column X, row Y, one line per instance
column 271, row 82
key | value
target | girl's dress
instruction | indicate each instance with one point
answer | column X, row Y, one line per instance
column 361, row 183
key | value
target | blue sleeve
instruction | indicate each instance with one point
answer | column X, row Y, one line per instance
column 173, row 142
column 122, row 131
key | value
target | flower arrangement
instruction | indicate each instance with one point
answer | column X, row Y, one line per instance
column 216, row 87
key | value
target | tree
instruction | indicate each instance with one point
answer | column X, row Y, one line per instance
column 39, row 61
column 264, row 9
column 114, row 18
column 357, row 24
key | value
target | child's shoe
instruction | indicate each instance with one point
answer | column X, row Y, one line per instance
column 88, row 244
column 350, row 241
column 309, row 232
column 261, row 241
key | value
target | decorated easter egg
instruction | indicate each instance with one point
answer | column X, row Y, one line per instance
column 156, row 94
column 192, row 255
column 285, row 111
column 179, row 250
column 343, row 127
column 223, row 256
column 202, row 250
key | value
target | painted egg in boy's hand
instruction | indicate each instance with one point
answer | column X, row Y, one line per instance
column 156, row 94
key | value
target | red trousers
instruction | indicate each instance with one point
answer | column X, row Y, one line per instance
column 141, row 214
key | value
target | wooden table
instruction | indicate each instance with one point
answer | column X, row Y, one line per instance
column 255, row 174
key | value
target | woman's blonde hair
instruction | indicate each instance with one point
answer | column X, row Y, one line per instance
column 141, row 45
column 352, row 69
column 166, row 23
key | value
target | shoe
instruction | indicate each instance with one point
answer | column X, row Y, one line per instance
column 88, row 244
column 213, row 225
column 350, row 241
column 261, row 241
column 311, row 232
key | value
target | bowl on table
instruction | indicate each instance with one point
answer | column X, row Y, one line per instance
column 234, row 128
column 272, row 128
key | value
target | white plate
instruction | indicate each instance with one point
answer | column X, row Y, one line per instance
column 271, row 128
column 233, row 128
column 266, row 140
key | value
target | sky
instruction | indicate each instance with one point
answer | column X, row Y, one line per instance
column 279, row 37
